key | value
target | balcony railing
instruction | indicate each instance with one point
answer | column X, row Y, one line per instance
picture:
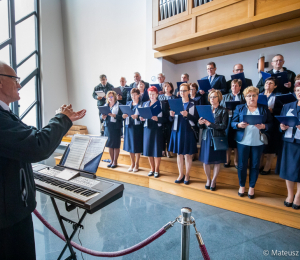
column 169, row 8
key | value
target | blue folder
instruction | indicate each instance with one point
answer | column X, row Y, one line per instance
column 204, row 85
column 290, row 121
column 117, row 90
column 157, row 86
column 155, row 108
column 286, row 98
column 253, row 119
column 126, row 110
column 179, row 83
column 231, row 105
column 206, row 112
column 263, row 100
column 104, row 110
column 128, row 89
column 281, row 77
column 176, row 105
column 240, row 76
column 145, row 112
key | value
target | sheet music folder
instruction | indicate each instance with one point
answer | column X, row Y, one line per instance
column 84, row 154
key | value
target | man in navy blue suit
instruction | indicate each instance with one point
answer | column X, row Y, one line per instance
column 216, row 81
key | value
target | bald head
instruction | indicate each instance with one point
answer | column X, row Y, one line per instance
column 8, row 84
column 238, row 68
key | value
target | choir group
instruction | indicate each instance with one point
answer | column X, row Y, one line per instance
column 232, row 129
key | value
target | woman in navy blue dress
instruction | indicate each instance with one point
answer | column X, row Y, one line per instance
column 153, row 137
column 133, row 137
column 290, row 156
column 208, row 155
column 275, row 107
column 183, row 141
column 167, row 127
column 112, row 127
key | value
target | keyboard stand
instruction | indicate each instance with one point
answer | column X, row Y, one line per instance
column 76, row 225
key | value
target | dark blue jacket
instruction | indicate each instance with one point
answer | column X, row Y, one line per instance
column 284, row 111
column 114, row 125
column 241, row 110
column 131, row 121
column 219, row 83
column 161, row 120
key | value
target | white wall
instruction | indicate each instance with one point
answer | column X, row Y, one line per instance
column 197, row 69
column 103, row 37
column 53, row 73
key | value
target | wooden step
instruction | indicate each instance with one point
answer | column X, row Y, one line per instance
column 265, row 205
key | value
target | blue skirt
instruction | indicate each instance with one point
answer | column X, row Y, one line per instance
column 208, row 155
column 114, row 137
column 290, row 162
column 153, row 142
column 133, row 139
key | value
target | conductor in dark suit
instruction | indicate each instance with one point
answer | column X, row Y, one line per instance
column 238, row 68
column 122, row 99
column 217, row 82
column 277, row 64
column 20, row 146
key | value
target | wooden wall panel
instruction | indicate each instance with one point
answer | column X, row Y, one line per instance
column 264, row 6
column 174, row 31
column 223, row 18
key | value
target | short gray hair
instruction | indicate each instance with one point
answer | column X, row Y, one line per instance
column 137, row 73
column 163, row 74
column 102, row 76
column 123, row 78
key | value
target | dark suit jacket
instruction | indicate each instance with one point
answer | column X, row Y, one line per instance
column 115, row 125
column 241, row 110
column 284, row 111
column 219, row 83
column 100, row 87
column 280, row 89
column 228, row 97
column 20, row 146
column 228, row 85
column 124, row 96
column 220, row 124
column 161, row 120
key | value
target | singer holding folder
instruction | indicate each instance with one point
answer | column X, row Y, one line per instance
column 274, row 142
column 153, row 137
column 183, row 140
column 133, row 137
column 250, row 138
column 217, row 128
column 112, row 127
column 289, row 167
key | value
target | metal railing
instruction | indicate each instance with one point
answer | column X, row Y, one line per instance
column 169, row 8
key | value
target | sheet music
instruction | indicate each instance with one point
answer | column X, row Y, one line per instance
column 95, row 147
column 100, row 93
column 85, row 182
column 77, row 151
column 66, row 174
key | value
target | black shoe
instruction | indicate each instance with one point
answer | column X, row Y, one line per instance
column 288, row 204
column 236, row 166
column 207, row 187
column 294, row 206
column 114, row 166
column 102, row 133
column 241, row 194
column 180, row 181
column 213, row 188
column 251, row 196
column 109, row 165
column 156, row 175
column 150, row 173
column 187, row 182
column 261, row 169
column 265, row 173
column 227, row 165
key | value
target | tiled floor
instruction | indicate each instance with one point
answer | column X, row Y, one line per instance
column 142, row 211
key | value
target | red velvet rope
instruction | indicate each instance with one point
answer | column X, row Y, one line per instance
column 104, row 254
column 204, row 252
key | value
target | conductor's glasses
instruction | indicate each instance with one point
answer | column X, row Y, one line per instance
column 17, row 79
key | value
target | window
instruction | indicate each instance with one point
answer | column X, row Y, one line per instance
column 19, row 47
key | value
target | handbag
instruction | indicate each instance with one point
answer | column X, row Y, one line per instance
column 263, row 138
column 220, row 143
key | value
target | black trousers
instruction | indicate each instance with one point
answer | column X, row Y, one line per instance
column 17, row 242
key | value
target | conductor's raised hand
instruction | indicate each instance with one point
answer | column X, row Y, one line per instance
column 172, row 113
column 68, row 111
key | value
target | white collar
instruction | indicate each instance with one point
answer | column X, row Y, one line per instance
column 4, row 106
column 212, row 76
column 281, row 70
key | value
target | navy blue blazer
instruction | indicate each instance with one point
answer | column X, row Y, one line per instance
column 161, row 120
column 284, row 111
column 115, row 125
column 131, row 121
column 219, row 82
column 241, row 110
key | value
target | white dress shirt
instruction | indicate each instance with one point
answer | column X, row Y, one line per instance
column 4, row 106
column 275, row 71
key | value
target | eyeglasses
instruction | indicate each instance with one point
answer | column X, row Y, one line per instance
column 192, row 89
column 13, row 77
column 213, row 97
column 241, row 70
column 251, row 96
column 183, row 91
column 277, row 61
column 210, row 69
column 111, row 97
